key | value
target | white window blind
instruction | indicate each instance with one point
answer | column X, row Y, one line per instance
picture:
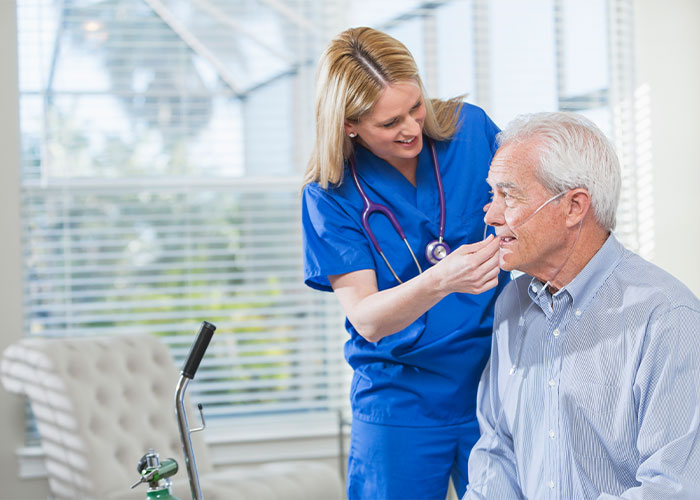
column 142, row 212
column 162, row 145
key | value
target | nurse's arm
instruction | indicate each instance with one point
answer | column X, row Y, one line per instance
column 376, row 314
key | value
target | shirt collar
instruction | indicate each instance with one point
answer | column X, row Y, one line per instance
column 585, row 285
column 543, row 298
column 589, row 280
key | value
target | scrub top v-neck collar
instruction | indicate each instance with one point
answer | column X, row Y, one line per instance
column 376, row 173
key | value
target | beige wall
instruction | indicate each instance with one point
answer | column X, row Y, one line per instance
column 668, row 65
column 11, row 406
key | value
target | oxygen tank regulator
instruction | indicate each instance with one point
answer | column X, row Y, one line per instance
column 156, row 473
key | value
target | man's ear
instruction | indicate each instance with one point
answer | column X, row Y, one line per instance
column 579, row 204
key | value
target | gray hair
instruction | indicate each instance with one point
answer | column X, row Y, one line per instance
column 574, row 153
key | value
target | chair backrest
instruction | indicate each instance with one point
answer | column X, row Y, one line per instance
column 100, row 404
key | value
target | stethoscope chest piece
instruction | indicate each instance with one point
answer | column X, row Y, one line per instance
column 436, row 251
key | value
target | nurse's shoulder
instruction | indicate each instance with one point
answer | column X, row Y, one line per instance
column 335, row 196
column 475, row 121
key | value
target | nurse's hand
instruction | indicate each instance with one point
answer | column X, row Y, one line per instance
column 376, row 314
column 469, row 268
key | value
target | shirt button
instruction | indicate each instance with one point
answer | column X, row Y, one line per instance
column 551, row 433
column 551, row 382
column 551, row 484
column 534, row 288
column 556, row 332
column 578, row 312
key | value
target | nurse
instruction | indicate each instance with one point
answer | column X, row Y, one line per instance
column 418, row 340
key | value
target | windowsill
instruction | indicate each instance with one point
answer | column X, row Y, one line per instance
column 31, row 462
column 266, row 439
column 272, row 428
column 243, row 441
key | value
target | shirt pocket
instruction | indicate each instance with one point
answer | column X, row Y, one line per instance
column 592, row 409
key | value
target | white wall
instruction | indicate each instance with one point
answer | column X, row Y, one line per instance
column 668, row 67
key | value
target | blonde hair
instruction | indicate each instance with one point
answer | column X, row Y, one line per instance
column 353, row 72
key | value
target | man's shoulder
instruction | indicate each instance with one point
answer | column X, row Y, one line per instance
column 636, row 275
column 634, row 280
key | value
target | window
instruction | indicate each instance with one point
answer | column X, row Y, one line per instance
column 163, row 143
column 156, row 196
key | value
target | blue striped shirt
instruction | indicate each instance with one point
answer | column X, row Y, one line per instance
column 593, row 392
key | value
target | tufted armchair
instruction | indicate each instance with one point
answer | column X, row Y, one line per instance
column 101, row 403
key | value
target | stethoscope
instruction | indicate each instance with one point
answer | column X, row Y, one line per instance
column 436, row 250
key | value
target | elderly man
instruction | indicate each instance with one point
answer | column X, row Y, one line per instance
column 593, row 387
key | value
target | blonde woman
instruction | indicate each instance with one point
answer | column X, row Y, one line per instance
column 415, row 276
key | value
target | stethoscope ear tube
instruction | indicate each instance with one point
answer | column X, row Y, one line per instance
column 441, row 194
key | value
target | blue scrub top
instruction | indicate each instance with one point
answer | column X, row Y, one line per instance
column 426, row 374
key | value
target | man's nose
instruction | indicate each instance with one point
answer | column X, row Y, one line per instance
column 494, row 213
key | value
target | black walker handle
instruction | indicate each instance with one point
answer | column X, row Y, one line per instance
column 206, row 331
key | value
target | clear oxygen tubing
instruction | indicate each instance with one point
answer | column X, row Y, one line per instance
column 520, row 336
column 537, row 210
